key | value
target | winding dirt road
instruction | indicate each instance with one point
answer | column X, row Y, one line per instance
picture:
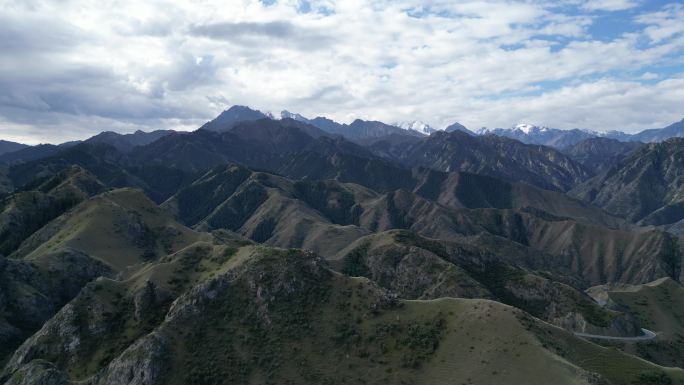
column 648, row 335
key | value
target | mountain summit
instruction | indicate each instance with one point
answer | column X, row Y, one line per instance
column 417, row 126
column 532, row 134
column 232, row 116
column 529, row 128
column 456, row 126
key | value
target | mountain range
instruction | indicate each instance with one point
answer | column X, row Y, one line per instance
column 296, row 251
column 561, row 139
column 365, row 132
column 526, row 133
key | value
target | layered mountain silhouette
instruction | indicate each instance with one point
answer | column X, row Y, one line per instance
column 128, row 142
column 496, row 156
column 358, row 130
column 27, row 154
column 560, row 139
column 297, row 251
column 6, row 146
column 674, row 130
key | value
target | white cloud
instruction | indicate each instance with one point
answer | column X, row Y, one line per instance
column 610, row 5
column 594, row 105
column 88, row 65
column 665, row 24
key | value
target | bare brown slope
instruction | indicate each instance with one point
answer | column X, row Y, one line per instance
column 327, row 216
column 647, row 187
column 598, row 254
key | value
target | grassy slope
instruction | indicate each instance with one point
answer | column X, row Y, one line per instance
column 26, row 211
column 254, row 315
column 659, row 306
column 206, row 309
column 115, row 232
column 120, row 228
column 422, row 268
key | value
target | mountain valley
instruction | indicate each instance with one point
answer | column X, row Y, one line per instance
column 296, row 251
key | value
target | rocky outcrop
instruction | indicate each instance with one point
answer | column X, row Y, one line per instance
column 411, row 272
column 38, row 372
column 30, row 294
column 143, row 363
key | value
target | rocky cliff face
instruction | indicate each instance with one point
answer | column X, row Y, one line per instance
column 30, row 294
column 600, row 154
column 496, row 156
column 647, row 187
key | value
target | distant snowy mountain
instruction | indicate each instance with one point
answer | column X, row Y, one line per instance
column 285, row 114
column 361, row 130
column 529, row 133
column 518, row 129
column 358, row 130
column 532, row 134
column 416, row 125
column 529, row 128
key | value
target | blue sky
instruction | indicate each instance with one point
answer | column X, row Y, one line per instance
column 70, row 68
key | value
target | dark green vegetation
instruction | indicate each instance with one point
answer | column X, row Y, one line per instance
column 24, row 212
column 275, row 252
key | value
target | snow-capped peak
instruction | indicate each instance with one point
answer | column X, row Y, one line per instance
column 528, row 128
column 285, row 114
column 416, row 125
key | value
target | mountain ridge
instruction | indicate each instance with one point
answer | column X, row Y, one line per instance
column 172, row 317
column 260, row 250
